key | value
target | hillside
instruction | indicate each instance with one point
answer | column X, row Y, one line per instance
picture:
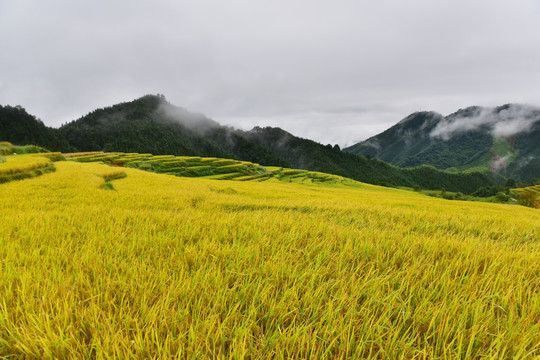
column 158, row 266
column 210, row 168
column 307, row 154
column 19, row 127
column 143, row 125
column 504, row 140
column 152, row 125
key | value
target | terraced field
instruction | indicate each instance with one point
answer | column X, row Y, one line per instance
column 100, row 261
column 32, row 163
column 529, row 196
column 535, row 189
column 18, row 167
column 210, row 168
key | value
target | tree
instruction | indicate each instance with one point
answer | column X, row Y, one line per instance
column 510, row 183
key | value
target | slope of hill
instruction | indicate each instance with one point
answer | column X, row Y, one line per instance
column 19, row 127
column 529, row 196
column 158, row 266
column 210, row 168
column 152, row 125
column 142, row 125
column 504, row 139
column 307, row 154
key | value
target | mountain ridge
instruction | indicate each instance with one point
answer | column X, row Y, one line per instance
column 152, row 125
column 501, row 139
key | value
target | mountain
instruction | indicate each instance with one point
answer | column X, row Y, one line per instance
column 147, row 124
column 310, row 155
column 151, row 124
column 20, row 128
column 504, row 139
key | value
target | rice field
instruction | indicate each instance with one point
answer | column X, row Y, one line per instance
column 161, row 266
column 534, row 189
column 210, row 168
column 529, row 196
column 24, row 166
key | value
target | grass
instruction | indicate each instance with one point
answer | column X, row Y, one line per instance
column 173, row 267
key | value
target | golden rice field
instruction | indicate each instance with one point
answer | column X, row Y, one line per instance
column 158, row 266
column 209, row 168
column 22, row 163
column 24, row 166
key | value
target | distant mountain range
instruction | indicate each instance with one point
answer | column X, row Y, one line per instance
column 505, row 140
column 151, row 124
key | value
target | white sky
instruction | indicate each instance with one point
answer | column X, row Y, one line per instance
column 334, row 71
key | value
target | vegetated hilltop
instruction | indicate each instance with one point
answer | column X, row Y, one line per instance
column 152, row 125
column 157, row 266
column 505, row 140
column 307, row 154
column 19, row 127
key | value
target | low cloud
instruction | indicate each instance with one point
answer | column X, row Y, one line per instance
column 523, row 162
column 513, row 126
column 407, row 136
column 194, row 121
column 501, row 162
column 503, row 121
column 374, row 143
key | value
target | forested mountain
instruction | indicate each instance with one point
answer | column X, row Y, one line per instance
column 19, row 127
column 143, row 125
column 152, row 125
column 505, row 140
column 308, row 154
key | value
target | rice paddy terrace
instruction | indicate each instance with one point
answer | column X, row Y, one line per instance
column 534, row 189
column 24, row 166
column 101, row 261
column 210, row 168
column 529, row 196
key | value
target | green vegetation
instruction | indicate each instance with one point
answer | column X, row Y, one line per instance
column 210, row 168
column 529, row 196
column 152, row 125
column 307, row 154
column 410, row 143
column 19, row 127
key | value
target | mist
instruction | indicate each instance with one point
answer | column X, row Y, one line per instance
column 504, row 121
column 193, row 121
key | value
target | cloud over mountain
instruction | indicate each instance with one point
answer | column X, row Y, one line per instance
column 504, row 121
column 504, row 139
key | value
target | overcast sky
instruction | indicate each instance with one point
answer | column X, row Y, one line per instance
column 336, row 71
